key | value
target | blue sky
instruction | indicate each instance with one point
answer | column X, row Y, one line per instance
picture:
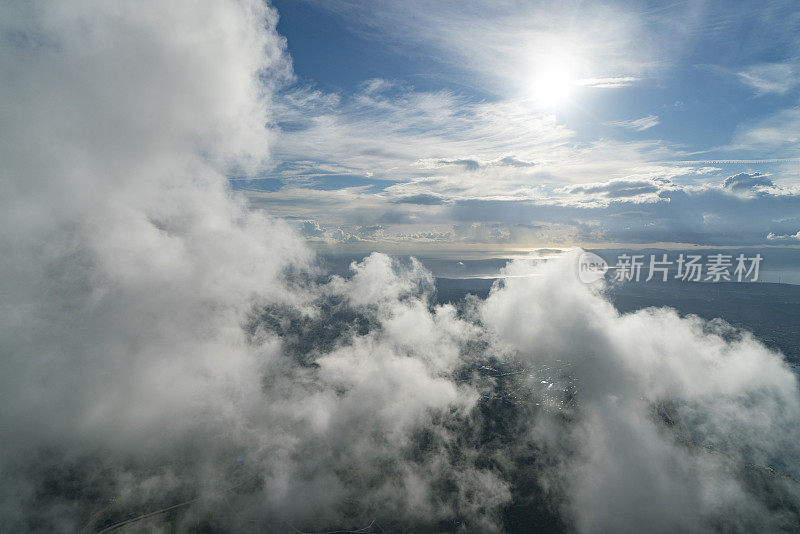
column 517, row 124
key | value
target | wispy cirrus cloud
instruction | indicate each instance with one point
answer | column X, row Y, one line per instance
column 608, row 83
column 768, row 78
column 500, row 46
column 639, row 125
column 774, row 135
column 391, row 132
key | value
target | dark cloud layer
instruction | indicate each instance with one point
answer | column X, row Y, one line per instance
column 653, row 211
column 618, row 188
column 746, row 181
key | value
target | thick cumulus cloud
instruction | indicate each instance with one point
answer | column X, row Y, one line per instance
column 145, row 358
column 126, row 268
column 175, row 362
column 726, row 398
column 122, row 244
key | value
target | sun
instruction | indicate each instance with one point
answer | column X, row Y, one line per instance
column 553, row 84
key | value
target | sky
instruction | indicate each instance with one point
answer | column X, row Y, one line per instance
column 175, row 354
column 406, row 125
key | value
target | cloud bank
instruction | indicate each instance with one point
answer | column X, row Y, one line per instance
column 168, row 353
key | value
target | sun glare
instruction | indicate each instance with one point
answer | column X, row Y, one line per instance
column 554, row 84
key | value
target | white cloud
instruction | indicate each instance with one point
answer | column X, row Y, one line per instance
column 393, row 134
column 768, row 78
column 626, row 473
column 131, row 352
column 608, row 83
column 163, row 344
column 776, row 135
column 640, row 125
column 784, row 237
